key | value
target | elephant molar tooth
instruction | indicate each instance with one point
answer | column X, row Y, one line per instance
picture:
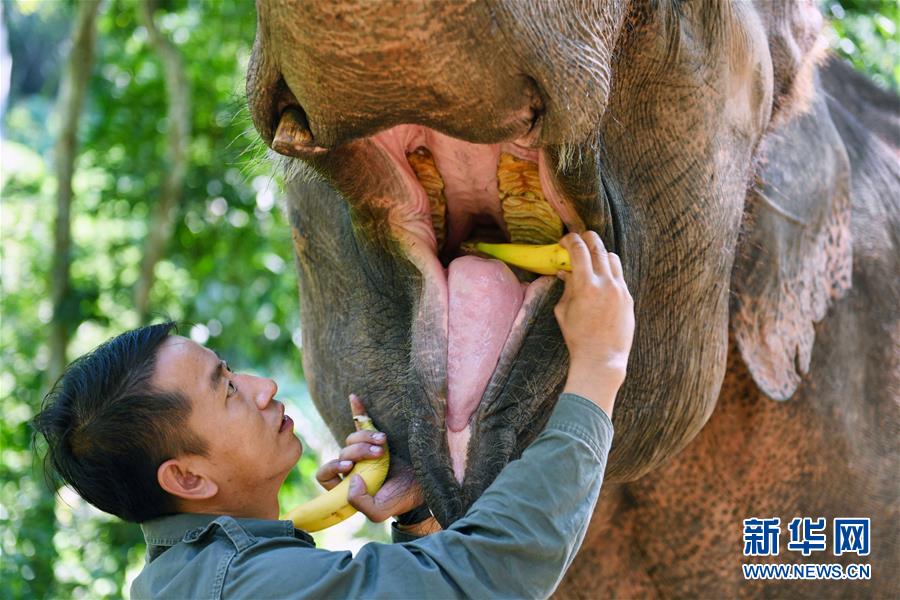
column 422, row 163
column 529, row 217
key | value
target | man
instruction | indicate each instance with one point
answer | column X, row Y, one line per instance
column 156, row 429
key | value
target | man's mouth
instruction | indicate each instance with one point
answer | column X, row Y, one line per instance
column 287, row 424
column 473, row 312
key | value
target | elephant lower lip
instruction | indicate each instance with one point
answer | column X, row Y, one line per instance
column 464, row 354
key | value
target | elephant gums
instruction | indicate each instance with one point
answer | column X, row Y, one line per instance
column 750, row 186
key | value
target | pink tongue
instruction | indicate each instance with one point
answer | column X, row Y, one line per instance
column 485, row 297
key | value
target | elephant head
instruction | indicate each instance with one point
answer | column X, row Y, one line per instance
column 412, row 127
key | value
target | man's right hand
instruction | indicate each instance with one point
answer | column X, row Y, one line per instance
column 596, row 317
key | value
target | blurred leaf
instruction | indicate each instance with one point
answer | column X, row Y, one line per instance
column 228, row 272
column 865, row 33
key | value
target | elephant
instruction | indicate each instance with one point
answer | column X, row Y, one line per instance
column 748, row 181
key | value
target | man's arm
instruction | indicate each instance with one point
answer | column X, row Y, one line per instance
column 520, row 536
column 516, row 540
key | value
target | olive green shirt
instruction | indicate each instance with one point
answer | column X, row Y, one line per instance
column 516, row 540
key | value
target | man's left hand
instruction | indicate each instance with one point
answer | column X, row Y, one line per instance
column 400, row 492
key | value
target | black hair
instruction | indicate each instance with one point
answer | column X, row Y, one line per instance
column 108, row 429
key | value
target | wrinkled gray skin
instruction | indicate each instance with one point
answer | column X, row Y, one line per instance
column 752, row 196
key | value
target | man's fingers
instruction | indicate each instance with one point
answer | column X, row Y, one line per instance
column 356, row 406
column 357, row 410
column 329, row 474
column 398, row 495
column 358, row 452
column 578, row 254
column 359, row 499
column 365, row 436
column 598, row 253
column 333, row 482
column 615, row 265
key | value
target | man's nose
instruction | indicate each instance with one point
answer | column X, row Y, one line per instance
column 263, row 390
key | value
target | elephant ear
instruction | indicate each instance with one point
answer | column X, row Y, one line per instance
column 794, row 255
column 796, row 45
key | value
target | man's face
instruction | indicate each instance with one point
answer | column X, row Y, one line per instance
column 251, row 445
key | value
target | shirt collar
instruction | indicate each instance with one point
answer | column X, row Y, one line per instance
column 171, row 529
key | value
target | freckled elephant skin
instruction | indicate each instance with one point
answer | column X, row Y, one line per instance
column 751, row 189
column 829, row 451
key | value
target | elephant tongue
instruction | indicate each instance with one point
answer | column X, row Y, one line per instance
column 484, row 298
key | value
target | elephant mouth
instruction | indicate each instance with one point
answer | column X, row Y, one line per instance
column 480, row 331
column 473, row 312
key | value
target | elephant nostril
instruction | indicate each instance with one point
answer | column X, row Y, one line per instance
column 537, row 107
column 536, row 110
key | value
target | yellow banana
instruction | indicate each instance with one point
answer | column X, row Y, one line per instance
column 546, row 260
column 331, row 507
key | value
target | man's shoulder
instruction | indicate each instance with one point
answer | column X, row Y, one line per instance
column 206, row 556
column 186, row 569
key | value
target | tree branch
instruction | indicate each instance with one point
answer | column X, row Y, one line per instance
column 178, row 139
column 70, row 102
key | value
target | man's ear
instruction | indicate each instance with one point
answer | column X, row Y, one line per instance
column 181, row 477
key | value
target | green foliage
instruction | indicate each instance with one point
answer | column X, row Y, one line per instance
column 228, row 270
column 227, row 273
column 26, row 505
column 866, row 33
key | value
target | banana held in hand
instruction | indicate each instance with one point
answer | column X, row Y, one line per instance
column 546, row 260
column 332, row 507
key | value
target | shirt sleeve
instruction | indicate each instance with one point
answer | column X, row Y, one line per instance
column 517, row 540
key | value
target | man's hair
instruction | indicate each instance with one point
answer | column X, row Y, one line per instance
column 108, row 429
